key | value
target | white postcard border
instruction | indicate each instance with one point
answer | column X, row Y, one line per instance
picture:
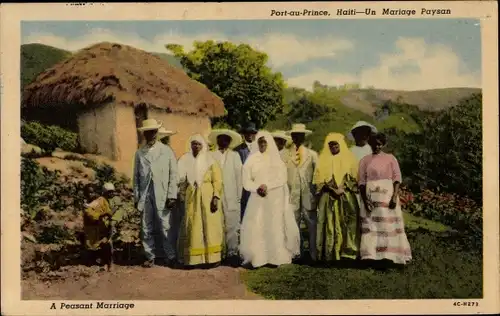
column 13, row 14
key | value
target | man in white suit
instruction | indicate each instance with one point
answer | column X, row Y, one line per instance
column 155, row 191
column 301, row 163
column 231, row 166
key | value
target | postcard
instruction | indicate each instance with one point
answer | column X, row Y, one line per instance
column 298, row 158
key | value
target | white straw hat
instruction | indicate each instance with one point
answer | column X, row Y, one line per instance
column 149, row 125
column 282, row 135
column 360, row 124
column 162, row 132
column 235, row 137
column 299, row 129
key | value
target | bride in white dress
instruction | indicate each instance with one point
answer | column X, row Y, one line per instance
column 269, row 232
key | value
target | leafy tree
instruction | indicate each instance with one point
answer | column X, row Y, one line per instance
column 238, row 74
column 447, row 154
column 306, row 110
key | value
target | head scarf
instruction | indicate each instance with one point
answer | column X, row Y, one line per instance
column 336, row 166
column 272, row 154
column 194, row 168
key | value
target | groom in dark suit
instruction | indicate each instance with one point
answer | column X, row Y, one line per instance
column 249, row 132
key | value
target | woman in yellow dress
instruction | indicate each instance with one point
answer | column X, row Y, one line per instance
column 201, row 235
column 335, row 180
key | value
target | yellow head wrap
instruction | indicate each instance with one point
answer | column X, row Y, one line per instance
column 335, row 166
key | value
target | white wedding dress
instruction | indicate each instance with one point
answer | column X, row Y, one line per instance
column 269, row 232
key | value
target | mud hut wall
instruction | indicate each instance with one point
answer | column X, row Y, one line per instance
column 185, row 125
column 126, row 138
column 97, row 129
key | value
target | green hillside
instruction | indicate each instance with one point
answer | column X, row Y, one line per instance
column 366, row 100
column 36, row 58
column 322, row 111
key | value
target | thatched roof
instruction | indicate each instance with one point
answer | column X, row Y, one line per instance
column 113, row 72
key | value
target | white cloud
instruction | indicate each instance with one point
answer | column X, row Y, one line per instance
column 432, row 66
column 282, row 49
column 287, row 49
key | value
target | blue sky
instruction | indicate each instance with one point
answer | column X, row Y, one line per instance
column 407, row 54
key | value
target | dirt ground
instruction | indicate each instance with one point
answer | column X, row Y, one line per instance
column 135, row 283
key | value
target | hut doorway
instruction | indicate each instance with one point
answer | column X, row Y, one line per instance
column 141, row 114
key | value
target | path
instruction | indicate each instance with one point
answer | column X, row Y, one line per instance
column 136, row 283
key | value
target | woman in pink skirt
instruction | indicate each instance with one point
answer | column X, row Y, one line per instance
column 383, row 235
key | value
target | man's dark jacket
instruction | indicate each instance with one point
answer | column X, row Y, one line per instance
column 244, row 152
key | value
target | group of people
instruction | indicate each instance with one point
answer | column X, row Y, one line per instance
column 244, row 200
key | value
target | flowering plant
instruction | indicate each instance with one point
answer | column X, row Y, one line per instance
column 461, row 213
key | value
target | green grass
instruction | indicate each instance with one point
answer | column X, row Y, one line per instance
column 413, row 223
column 440, row 269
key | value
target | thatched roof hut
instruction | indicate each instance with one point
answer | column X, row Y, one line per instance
column 122, row 74
column 106, row 90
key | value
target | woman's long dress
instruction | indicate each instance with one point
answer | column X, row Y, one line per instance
column 382, row 230
column 337, row 228
column 269, row 233
column 337, row 234
column 201, row 235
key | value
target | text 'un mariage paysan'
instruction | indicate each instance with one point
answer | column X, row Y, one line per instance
column 394, row 12
column 97, row 305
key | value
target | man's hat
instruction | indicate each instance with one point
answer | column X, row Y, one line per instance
column 235, row 137
column 249, row 128
column 149, row 125
column 299, row 129
column 361, row 124
column 162, row 132
column 282, row 135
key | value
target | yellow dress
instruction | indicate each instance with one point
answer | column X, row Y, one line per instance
column 201, row 235
column 338, row 226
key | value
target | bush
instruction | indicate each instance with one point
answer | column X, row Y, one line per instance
column 35, row 182
column 447, row 154
column 411, row 113
column 107, row 173
column 460, row 213
column 41, row 187
column 49, row 137
column 53, row 235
